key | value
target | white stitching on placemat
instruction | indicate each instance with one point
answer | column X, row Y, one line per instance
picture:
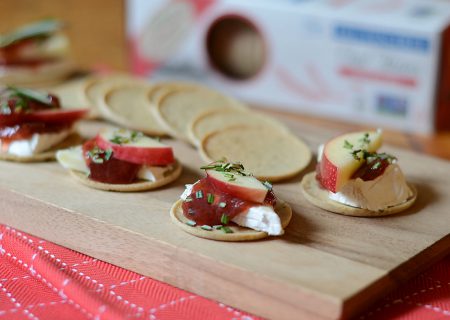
column 122, row 284
column 17, row 303
column 50, row 285
column 235, row 312
column 110, row 292
column 170, row 303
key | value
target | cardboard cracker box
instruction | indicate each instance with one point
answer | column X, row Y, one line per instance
column 379, row 62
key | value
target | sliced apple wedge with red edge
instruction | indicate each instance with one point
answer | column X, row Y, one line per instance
column 243, row 187
column 135, row 147
column 44, row 116
column 338, row 163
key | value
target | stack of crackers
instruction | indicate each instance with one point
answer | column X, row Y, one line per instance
column 216, row 124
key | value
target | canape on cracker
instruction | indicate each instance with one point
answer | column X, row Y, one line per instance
column 35, row 54
column 229, row 204
column 121, row 160
column 352, row 178
column 33, row 125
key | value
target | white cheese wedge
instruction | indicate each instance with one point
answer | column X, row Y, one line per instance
column 38, row 143
column 387, row 190
column 73, row 159
column 261, row 218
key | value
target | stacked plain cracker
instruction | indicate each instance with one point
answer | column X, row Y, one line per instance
column 218, row 125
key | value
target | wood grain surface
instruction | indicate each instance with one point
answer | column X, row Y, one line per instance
column 326, row 266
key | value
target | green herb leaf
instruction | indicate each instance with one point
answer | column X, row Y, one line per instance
column 32, row 94
column 217, row 227
column 191, row 223
column 210, row 198
column 38, row 29
column 108, row 154
column 188, row 199
column 206, row 227
column 225, row 219
column 226, row 230
column 199, row 194
column 348, row 145
column 268, row 185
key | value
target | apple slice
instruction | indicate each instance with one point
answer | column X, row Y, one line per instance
column 338, row 163
column 243, row 187
column 134, row 147
column 44, row 116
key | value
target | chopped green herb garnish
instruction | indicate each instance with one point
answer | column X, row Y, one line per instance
column 206, row 227
column 222, row 204
column 188, row 199
column 268, row 185
column 230, row 168
column 108, row 154
column 210, row 198
column 217, row 227
column 347, row 145
column 232, row 179
column 365, row 139
column 376, row 166
column 226, row 230
column 135, row 135
column 32, row 95
column 225, row 219
column 35, row 30
column 97, row 159
column 199, row 194
column 191, row 223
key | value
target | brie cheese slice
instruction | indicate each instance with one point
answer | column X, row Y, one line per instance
column 39, row 142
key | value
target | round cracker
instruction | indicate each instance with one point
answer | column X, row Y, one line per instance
column 47, row 74
column 267, row 153
column 97, row 86
column 177, row 108
column 318, row 196
column 132, row 187
column 49, row 155
column 239, row 233
column 127, row 105
column 215, row 120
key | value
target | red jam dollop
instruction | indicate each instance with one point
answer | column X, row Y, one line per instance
column 16, row 54
column 207, row 205
column 13, row 106
column 105, row 168
column 369, row 171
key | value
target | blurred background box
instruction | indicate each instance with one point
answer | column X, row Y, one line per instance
column 95, row 28
column 379, row 62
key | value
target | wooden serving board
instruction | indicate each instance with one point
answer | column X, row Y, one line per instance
column 326, row 266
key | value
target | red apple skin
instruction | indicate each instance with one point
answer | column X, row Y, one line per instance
column 241, row 192
column 45, row 116
column 328, row 174
column 144, row 156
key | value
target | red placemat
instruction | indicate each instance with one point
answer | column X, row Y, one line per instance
column 41, row 280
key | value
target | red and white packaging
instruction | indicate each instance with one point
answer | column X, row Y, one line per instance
column 379, row 62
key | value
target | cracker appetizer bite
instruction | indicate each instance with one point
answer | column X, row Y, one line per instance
column 121, row 160
column 352, row 178
column 229, row 204
column 33, row 125
column 35, row 54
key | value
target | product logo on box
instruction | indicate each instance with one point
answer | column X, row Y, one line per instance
column 382, row 39
column 392, row 105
